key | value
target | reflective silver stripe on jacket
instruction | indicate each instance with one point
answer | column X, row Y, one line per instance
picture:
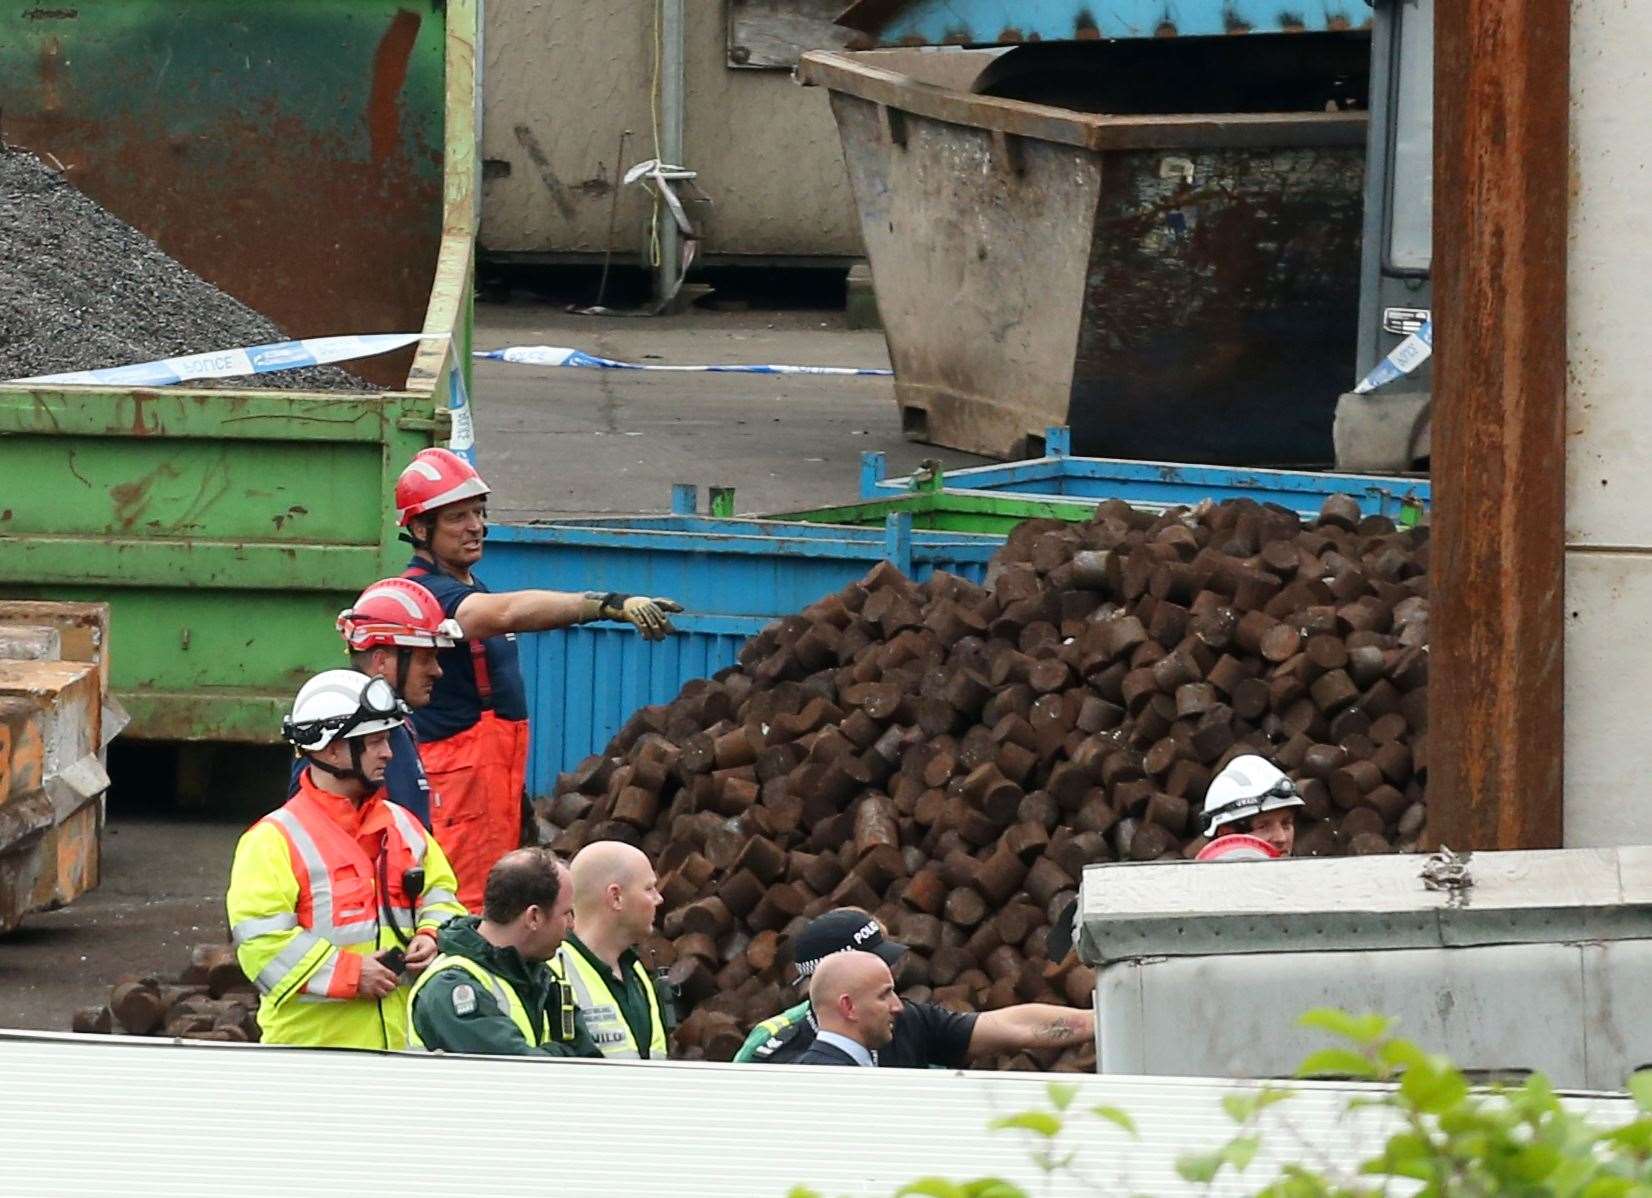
column 603, row 1018
column 285, row 961
column 321, row 878
column 410, row 829
column 251, row 929
column 441, row 965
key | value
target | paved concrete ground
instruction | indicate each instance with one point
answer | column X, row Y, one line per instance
column 552, row 442
column 561, row 442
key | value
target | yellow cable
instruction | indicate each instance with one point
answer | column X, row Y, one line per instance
column 654, row 119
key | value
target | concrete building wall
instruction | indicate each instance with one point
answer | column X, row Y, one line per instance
column 1608, row 643
column 574, row 73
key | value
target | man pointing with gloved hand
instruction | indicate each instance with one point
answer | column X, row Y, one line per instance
column 473, row 734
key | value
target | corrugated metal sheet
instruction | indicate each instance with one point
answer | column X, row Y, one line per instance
column 95, row 1115
column 940, row 22
column 732, row 575
column 584, row 683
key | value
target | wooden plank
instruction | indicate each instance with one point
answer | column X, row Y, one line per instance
column 842, row 72
column 1500, row 222
column 773, row 34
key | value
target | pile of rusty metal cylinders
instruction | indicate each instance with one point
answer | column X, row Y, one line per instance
column 210, row 1000
column 949, row 756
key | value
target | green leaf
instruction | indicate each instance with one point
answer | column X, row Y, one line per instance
column 1636, row 1136
column 993, row 1187
column 1608, row 1187
column 1402, row 1054
column 1116, row 1117
column 1433, row 1090
column 1039, row 1122
column 1200, row 1167
column 1640, row 1088
column 1364, row 1030
column 1336, row 1062
column 931, row 1187
column 1240, row 1107
column 1061, row 1094
column 802, row 1192
column 1271, row 1095
column 1242, row 1151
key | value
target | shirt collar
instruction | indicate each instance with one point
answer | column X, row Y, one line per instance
column 627, row 961
column 857, row 1052
column 341, row 810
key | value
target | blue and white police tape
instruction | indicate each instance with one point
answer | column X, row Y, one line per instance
column 553, row 355
column 233, row 363
column 1407, row 356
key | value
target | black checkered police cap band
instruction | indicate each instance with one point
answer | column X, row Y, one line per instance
column 837, row 932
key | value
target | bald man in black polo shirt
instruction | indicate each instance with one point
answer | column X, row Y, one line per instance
column 925, row 1034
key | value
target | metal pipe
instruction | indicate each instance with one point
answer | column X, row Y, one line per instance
column 671, row 69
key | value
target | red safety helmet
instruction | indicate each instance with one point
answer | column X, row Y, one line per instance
column 1238, row 847
column 397, row 613
column 433, row 479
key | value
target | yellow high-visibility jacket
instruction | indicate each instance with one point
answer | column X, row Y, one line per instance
column 305, row 908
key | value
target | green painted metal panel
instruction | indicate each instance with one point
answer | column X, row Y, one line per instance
column 316, row 159
column 169, row 488
column 943, row 512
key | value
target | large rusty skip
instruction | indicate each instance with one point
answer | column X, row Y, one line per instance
column 325, row 224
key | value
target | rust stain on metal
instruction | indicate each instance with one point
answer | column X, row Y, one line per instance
column 1496, row 691
column 140, row 427
column 1085, row 28
column 384, row 115
column 1165, row 29
column 131, row 499
column 1011, row 34
column 51, row 72
column 1292, row 22
column 239, row 217
column 1340, row 23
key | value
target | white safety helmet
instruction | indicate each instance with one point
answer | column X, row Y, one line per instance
column 341, row 704
column 1248, row 786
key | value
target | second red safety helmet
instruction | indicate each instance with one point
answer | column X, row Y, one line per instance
column 399, row 613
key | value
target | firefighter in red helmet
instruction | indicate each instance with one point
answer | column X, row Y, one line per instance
column 473, row 734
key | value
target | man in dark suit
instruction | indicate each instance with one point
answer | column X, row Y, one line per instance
column 854, row 1000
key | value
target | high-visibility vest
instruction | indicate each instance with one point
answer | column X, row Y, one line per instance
column 305, row 908
column 503, row 993
column 601, row 1010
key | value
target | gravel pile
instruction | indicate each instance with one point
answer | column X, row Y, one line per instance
column 80, row 289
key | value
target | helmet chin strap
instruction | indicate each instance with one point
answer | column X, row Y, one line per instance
column 353, row 773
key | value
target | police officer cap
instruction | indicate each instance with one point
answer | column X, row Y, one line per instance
column 839, row 931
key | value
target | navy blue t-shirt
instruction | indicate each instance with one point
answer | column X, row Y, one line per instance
column 455, row 704
column 404, row 778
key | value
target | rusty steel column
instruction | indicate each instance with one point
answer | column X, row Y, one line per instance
column 1501, row 90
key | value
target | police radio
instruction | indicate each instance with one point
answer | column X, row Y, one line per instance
column 669, row 995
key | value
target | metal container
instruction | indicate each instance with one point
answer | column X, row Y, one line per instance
column 316, row 161
column 947, row 22
column 1167, row 285
column 1513, row 963
column 734, row 576
column 948, row 511
column 1059, row 476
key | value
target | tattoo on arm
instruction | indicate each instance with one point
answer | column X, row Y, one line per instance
column 1055, row 1032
